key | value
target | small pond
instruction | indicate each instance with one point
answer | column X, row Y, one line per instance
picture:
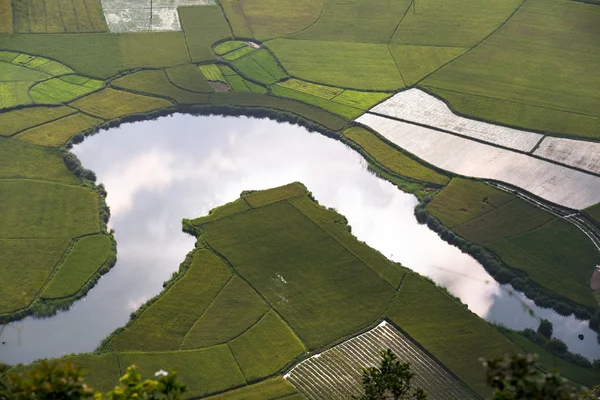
column 159, row 172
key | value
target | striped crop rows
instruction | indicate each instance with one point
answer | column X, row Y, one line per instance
column 336, row 373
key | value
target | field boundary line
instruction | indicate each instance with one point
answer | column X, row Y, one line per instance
column 204, row 311
column 411, row 4
column 75, row 111
column 187, row 46
column 45, row 17
column 397, row 66
column 76, row 16
column 505, row 100
column 344, row 247
column 306, row 27
column 226, row 260
column 476, row 44
column 237, row 363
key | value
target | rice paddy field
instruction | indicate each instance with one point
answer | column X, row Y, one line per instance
column 258, row 312
column 503, row 91
column 551, row 251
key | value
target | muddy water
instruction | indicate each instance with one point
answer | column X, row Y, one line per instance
column 158, row 172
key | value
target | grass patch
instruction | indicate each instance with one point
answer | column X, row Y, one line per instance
column 34, row 209
column 6, row 22
column 270, row 389
column 235, row 309
column 58, row 132
column 85, row 259
column 324, row 296
column 360, row 100
column 562, row 245
column 103, row 55
column 26, row 265
column 17, row 72
column 416, row 62
column 59, row 90
column 18, row 120
column 550, row 362
column 505, row 69
column 544, row 273
column 240, row 52
column 392, row 159
column 237, row 20
column 279, row 345
column 260, row 66
column 110, row 104
column 212, row 72
column 454, row 23
column 189, row 77
column 324, row 92
column 463, row 200
column 163, row 325
column 24, row 160
column 229, row 46
column 240, row 84
column 448, row 330
column 203, row 26
column 351, row 65
column 363, row 21
column 14, row 94
column 204, row 371
column 322, row 117
column 269, row 19
column 55, row 16
column 510, row 219
column 156, row 83
column 332, row 106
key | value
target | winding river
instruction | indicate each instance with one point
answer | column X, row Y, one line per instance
column 158, row 172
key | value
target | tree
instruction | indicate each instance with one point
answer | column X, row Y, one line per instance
column 545, row 328
column 519, row 377
column 392, row 380
column 54, row 381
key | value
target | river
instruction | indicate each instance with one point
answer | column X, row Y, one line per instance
column 159, row 172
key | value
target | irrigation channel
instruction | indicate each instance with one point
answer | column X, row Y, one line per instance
column 158, row 172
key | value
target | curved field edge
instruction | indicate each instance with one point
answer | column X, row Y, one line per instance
column 445, row 346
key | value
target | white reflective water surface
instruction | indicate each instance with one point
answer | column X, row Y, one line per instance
column 159, row 172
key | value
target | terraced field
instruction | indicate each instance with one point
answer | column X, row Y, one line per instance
column 336, row 373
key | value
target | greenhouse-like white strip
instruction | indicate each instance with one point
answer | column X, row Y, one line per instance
column 147, row 15
column 578, row 153
column 557, row 184
column 417, row 106
column 336, row 373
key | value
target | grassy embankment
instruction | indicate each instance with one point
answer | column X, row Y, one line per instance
column 281, row 276
column 541, row 249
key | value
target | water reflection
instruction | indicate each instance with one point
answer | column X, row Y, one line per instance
column 159, row 172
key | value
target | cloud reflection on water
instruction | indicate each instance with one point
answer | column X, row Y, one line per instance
column 158, row 172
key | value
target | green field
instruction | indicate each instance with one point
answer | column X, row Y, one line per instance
column 229, row 46
column 202, row 25
column 502, row 74
column 188, row 77
column 551, row 251
column 259, row 307
column 55, row 16
column 111, row 104
column 87, row 256
column 60, row 90
column 58, row 132
column 344, row 64
column 260, row 66
column 212, row 72
column 394, row 161
column 236, row 18
column 156, row 83
column 269, row 19
column 594, row 212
